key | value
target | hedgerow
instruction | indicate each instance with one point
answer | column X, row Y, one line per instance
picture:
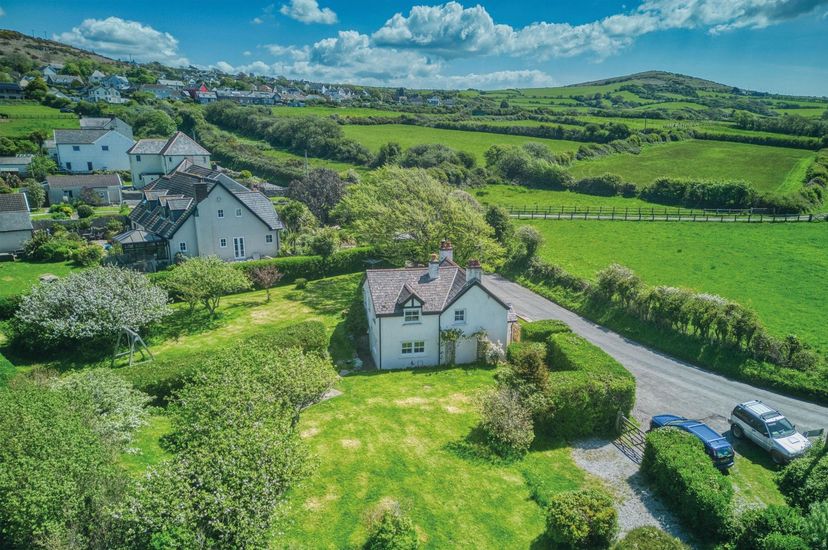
column 804, row 481
column 681, row 472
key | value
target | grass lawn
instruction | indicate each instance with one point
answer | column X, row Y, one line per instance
column 20, row 120
column 284, row 156
column 526, row 197
column 767, row 168
column 319, row 110
column 146, row 446
column 409, row 436
column 776, row 269
column 475, row 143
column 19, row 276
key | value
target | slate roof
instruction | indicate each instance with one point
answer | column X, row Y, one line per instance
column 390, row 288
column 171, row 199
column 82, row 136
column 19, row 159
column 135, row 236
column 14, row 213
column 94, row 122
column 84, row 180
column 178, row 145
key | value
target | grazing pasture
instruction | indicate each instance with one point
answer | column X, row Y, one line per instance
column 518, row 196
column 18, row 120
column 475, row 143
column 321, row 110
column 776, row 269
column 766, row 168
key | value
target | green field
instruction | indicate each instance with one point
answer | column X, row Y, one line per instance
column 318, row 110
column 518, row 196
column 17, row 277
column 21, row 119
column 766, row 168
column 475, row 143
column 408, row 436
column 776, row 269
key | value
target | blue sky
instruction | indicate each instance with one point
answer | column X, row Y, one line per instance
column 769, row 45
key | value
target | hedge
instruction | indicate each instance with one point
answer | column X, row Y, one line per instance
column 9, row 305
column 681, row 472
column 586, row 387
column 540, row 331
column 163, row 377
column 649, row 538
column 804, row 481
column 7, row 371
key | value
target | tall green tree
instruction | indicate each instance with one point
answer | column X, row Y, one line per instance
column 320, row 190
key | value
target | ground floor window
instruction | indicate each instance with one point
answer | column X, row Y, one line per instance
column 268, row 238
column 182, row 247
column 413, row 348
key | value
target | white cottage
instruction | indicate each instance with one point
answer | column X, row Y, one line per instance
column 89, row 150
column 433, row 315
column 149, row 159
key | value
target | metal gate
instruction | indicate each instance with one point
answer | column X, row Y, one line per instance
column 630, row 440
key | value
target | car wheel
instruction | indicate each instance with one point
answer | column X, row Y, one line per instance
column 777, row 457
column 737, row 431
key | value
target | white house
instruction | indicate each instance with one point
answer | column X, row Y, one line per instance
column 96, row 77
column 409, row 311
column 150, row 159
column 15, row 222
column 18, row 165
column 107, row 123
column 94, row 189
column 104, row 93
column 116, row 81
column 88, row 150
column 196, row 211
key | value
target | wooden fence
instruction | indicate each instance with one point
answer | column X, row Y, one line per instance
column 658, row 214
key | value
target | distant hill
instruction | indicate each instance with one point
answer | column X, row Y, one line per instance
column 662, row 79
column 46, row 51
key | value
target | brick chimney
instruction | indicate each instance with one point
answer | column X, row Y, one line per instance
column 433, row 267
column 200, row 190
column 445, row 250
column 474, row 272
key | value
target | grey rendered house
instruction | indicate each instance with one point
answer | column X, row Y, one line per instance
column 95, row 189
column 196, row 211
column 107, row 123
column 15, row 222
column 18, row 164
column 149, row 159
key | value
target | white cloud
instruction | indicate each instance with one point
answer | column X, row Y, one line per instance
column 247, row 53
column 119, row 38
column 496, row 80
column 308, row 11
column 2, row 11
column 257, row 20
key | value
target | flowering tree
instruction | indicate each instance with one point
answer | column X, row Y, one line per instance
column 205, row 280
column 91, row 304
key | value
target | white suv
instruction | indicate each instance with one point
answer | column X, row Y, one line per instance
column 769, row 429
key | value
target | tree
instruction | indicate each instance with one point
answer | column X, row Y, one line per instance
column 320, row 190
column 297, row 220
column 406, row 213
column 92, row 304
column 324, row 242
column 264, row 277
column 205, row 280
column 36, row 89
column 41, row 166
column 389, row 153
column 530, row 240
column 35, row 194
column 507, row 422
column 500, row 221
column 153, row 123
column 391, row 529
column 38, row 137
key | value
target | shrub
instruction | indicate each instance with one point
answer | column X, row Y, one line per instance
column 804, row 481
column 681, row 472
column 528, row 362
column 649, row 538
column 55, row 247
column 815, row 528
column 781, row 541
column 605, row 185
column 314, row 267
column 9, row 305
column 506, row 422
column 540, row 331
column 301, row 284
column 85, row 211
column 582, row 519
column 391, row 529
column 205, row 280
column 87, row 255
column 756, row 524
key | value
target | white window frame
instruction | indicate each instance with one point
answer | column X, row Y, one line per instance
column 269, row 238
column 223, row 242
column 238, row 212
column 182, row 246
column 220, row 213
column 412, row 348
column 238, row 248
column 462, row 319
column 411, row 315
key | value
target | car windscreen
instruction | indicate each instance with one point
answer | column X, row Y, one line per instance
column 723, row 452
column 781, row 428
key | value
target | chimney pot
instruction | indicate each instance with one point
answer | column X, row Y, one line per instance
column 473, row 271
column 446, row 250
column 433, row 267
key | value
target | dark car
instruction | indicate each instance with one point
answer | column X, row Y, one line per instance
column 716, row 446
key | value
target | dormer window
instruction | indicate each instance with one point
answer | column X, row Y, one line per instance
column 411, row 315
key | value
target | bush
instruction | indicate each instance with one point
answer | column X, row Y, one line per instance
column 87, row 255
column 815, row 529
column 756, row 524
column 780, row 541
column 506, row 422
column 606, row 185
column 205, row 280
column 85, row 211
column 7, row 371
column 804, row 481
column 649, row 538
column 677, row 467
column 301, row 284
column 391, row 529
column 582, row 519
column 9, row 305
column 56, row 247
column 528, row 360
column 315, row 267
column 540, row 331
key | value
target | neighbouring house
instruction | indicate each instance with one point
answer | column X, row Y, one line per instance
column 15, row 222
column 94, row 189
column 159, row 91
column 18, row 164
column 105, row 93
column 205, row 97
column 96, row 77
column 88, row 150
column 63, row 79
column 193, row 89
column 52, row 69
column 433, row 315
column 116, row 81
column 150, row 159
column 107, row 123
column 175, row 84
column 196, row 211
column 434, row 101
column 10, row 90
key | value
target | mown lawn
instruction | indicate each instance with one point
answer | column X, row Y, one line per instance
column 24, row 118
column 475, row 143
column 17, row 277
column 766, row 168
column 776, row 269
column 410, row 436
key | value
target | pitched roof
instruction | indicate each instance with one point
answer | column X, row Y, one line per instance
column 13, row 202
column 84, row 180
column 14, row 213
column 134, row 236
column 262, row 207
column 19, row 159
column 82, row 136
column 179, row 144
